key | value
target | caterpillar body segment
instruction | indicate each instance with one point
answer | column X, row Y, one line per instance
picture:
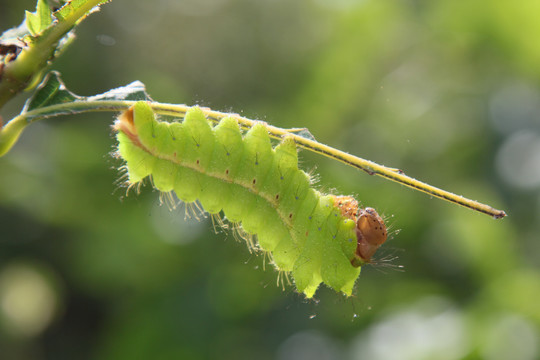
column 315, row 237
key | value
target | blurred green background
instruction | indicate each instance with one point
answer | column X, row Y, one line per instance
column 446, row 90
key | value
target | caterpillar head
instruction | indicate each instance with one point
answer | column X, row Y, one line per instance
column 370, row 233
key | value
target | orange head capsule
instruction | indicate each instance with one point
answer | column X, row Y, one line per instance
column 370, row 234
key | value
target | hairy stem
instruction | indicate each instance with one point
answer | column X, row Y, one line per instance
column 368, row 166
column 275, row 132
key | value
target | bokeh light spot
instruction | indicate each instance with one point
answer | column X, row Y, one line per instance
column 518, row 160
column 28, row 300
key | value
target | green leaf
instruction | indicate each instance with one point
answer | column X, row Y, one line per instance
column 38, row 21
column 52, row 93
column 52, row 98
column 73, row 7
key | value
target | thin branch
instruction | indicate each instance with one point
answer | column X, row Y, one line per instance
column 370, row 167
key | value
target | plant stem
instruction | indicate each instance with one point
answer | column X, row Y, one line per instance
column 275, row 132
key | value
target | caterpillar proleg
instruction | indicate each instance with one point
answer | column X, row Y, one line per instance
column 314, row 237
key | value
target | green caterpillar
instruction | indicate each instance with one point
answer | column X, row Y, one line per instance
column 314, row 237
